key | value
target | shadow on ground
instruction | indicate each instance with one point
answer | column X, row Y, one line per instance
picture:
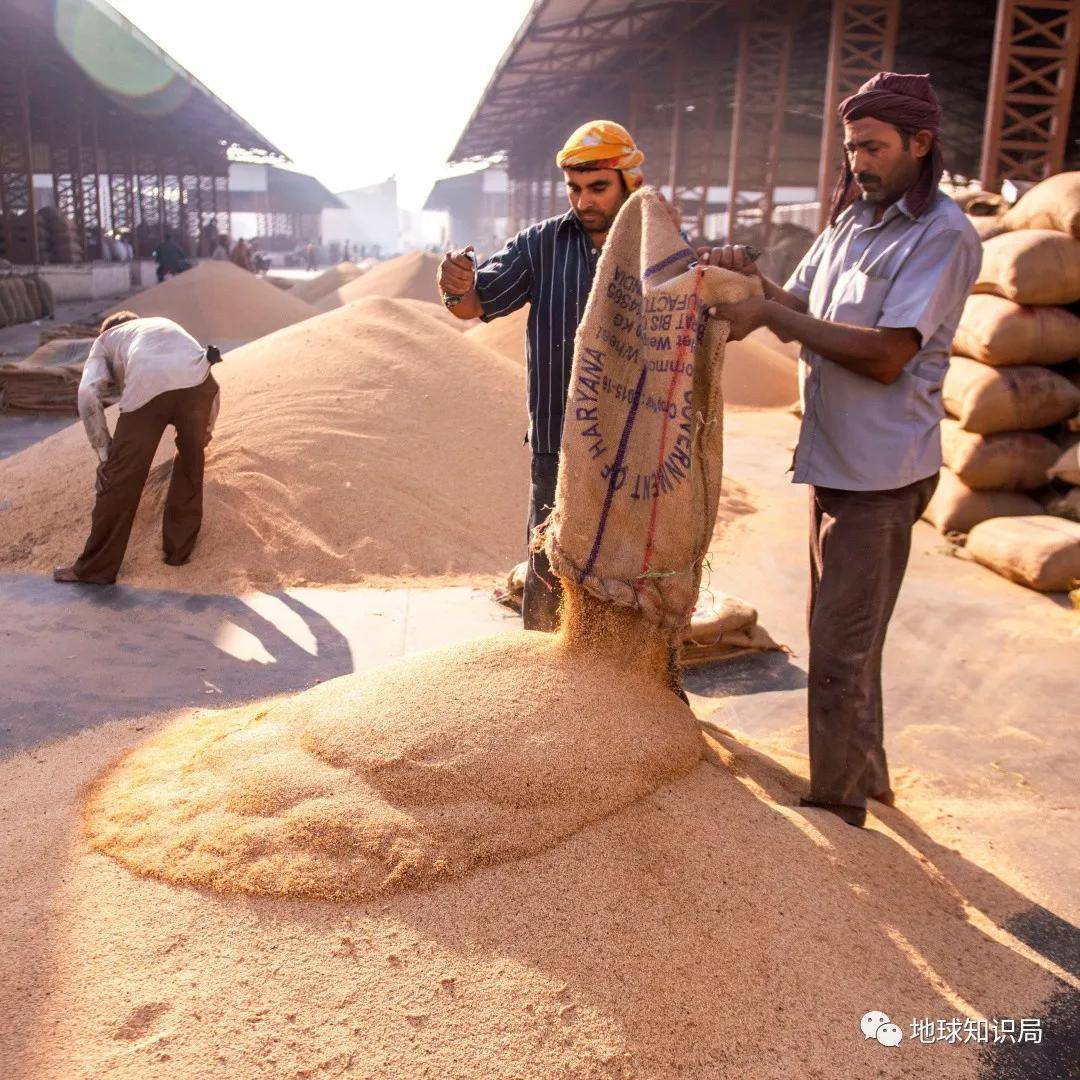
column 132, row 652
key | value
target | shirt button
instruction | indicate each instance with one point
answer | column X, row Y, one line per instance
column 595, row 252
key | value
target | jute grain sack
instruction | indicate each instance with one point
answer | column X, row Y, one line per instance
column 639, row 474
column 1067, row 466
column 1067, row 505
column 1020, row 398
column 1006, row 461
column 999, row 332
column 956, row 508
column 987, row 227
column 1052, row 204
column 1041, row 552
column 1032, row 266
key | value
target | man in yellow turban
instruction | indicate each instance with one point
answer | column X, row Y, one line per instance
column 550, row 267
column 603, row 144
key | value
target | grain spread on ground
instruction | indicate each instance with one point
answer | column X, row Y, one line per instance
column 220, row 304
column 661, row 940
column 367, row 443
column 407, row 277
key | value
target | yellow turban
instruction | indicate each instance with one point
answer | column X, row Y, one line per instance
column 603, row 144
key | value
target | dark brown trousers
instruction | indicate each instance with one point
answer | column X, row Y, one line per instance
column 543, row 590
column 121, row 479
column 859, row 547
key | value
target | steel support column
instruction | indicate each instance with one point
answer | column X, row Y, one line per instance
column 675, row 148
column 221, row 203
column 90, row 180
column 121, row 202
column 862, row 42
column 17, row 171
column 757, row 125
column 708, row 145
column 1032, row 78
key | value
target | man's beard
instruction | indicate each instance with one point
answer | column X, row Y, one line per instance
column 877, row 191
column 594, row 221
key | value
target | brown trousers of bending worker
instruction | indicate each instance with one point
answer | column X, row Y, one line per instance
column 859, row 547
column 122, row 476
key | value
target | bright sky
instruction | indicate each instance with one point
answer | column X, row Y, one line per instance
column 352, row 90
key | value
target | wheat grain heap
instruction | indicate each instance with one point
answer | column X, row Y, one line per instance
column 370, row 442
column 407, row 277
column 220, row 304
column 314, row 289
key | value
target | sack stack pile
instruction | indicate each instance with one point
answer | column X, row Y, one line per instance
column 23, row 298
column 48, row 379
column 57, row 238
column 1012, row 391
column 986, row 210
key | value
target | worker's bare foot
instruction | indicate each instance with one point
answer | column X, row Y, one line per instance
column 65, row 573
column 853, row 815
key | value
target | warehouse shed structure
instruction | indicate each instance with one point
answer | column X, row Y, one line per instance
column 104, row 137
column 734, row 102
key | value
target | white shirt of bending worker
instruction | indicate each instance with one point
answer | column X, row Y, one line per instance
column 136, row 361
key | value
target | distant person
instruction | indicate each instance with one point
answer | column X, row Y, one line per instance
column 550, row 265
column 346, row 254
column 241, row 254
column 875, row 303
column 310, row 255
column 161, row 375
column 221, row 250
column 170, row 258
column 335, row 253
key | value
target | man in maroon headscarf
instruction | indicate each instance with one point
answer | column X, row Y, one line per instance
column 874, row 303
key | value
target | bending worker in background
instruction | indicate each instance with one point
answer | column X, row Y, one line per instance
column 875, row 304
column 550, row 265
column 161, row 376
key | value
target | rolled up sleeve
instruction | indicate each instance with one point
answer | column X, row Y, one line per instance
column 802, row 278
column 94, row 386
column 933, row 283
column 504, row 280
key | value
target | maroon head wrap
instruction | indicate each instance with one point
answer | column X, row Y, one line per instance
column 909, row 103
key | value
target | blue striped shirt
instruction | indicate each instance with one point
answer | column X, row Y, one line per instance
column 549, row 265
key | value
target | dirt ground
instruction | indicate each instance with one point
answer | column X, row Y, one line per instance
column 981, row 728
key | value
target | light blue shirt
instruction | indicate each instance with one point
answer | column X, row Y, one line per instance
column 858, row 434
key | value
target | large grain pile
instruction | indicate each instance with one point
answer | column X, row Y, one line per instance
column 317, row 287
column 369, row 442
column 409, row 276
column 505, row 335
column 755, row 372
column 1008, row 389
column 757, row 375
column 220, row 304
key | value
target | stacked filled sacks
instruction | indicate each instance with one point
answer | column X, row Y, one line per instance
column 985, row 209
column 1012, row 389
column 24, row 298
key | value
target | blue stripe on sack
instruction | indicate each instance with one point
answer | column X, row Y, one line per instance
column 664, row 263
column 613, row 479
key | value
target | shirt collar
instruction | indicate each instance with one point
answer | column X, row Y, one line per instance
column 864, row 211
column 569, row 220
